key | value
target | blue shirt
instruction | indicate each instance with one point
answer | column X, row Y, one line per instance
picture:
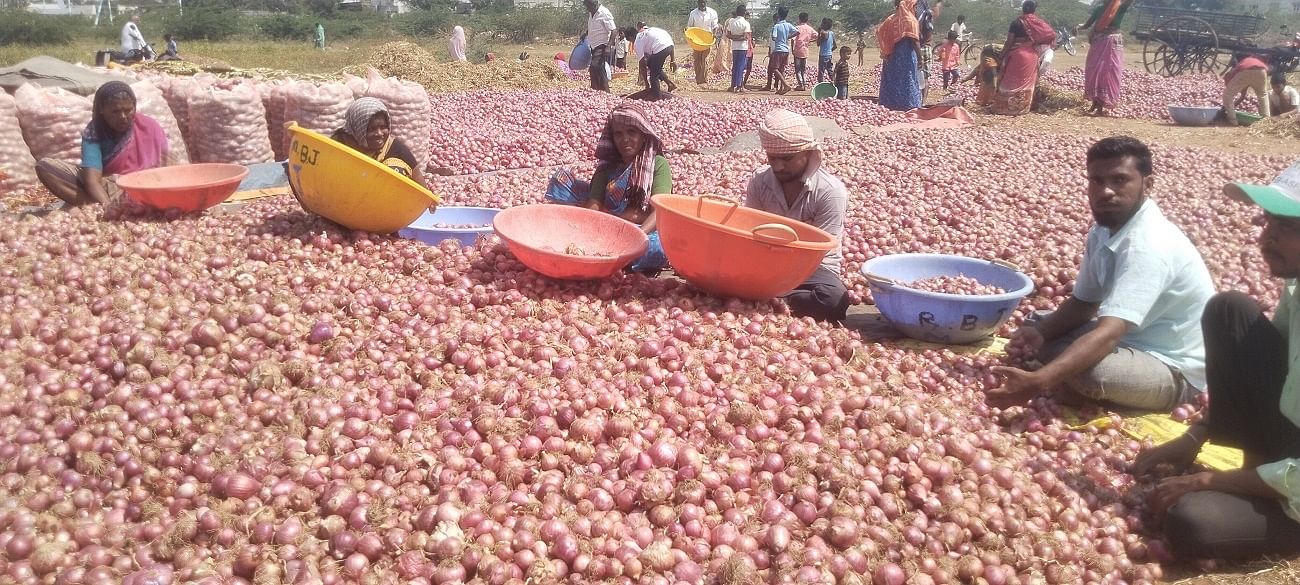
column 92, row 153
column 828, row 47
column 782, row 32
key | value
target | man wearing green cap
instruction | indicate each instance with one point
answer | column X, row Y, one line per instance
column 1254, row 405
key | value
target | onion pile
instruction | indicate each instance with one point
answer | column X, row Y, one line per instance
column 955, row 285
column 264, row 397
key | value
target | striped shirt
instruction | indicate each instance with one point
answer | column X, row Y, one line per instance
column 842, row 71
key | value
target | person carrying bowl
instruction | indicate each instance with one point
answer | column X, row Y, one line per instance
column 630, row 167
column 367, row 129
column 118, row 140
column 1246, row 513
column 794, row 185
column 1130, row 333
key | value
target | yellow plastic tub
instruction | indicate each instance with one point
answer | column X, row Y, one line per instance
column 699, row 39
column 350, row 188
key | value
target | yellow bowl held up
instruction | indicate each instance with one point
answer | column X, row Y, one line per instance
column 699, row 39
column 350, row 188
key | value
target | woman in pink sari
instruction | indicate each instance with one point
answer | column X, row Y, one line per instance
column 1019, row 73
column 1101, row 74
column 117, row 141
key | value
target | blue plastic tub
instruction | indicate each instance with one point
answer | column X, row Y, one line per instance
column 940, row 317
column 1193, row 115
column 580, row 57
column 423, row 229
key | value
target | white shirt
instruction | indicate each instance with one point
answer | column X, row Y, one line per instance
column 132, row 40
column 1289, row 96
column 621, row 51
column 651, row 40
column 706, row 19
column 1149, row 274
column 599, row 25
column 739, row 26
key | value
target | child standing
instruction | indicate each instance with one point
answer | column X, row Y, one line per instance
column 825, row 40
column 842, row 73
column 949, row 59
column 862, row 47
column 620, row 51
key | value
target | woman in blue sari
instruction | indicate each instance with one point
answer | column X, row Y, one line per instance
column 630, row 167
column 899, row 39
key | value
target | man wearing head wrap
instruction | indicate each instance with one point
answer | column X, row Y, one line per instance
column 795, row 185
column 1253, row 366
column 118, row 140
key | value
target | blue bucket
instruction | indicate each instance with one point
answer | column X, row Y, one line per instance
column 940, row 317
column 580, row 57
column 422, row 229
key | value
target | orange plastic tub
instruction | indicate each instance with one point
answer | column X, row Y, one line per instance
column 733, row 251
column 185, row 187
column 541, row 236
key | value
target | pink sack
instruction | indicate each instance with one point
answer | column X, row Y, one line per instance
column 17, row 167
column 408, row 111
column 229, row 125
column 52, row 120
column 319, row 108
column 149, row 100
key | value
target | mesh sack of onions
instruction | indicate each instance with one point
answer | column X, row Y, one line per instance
column 178, row 91
column 408, row 110
column 52, row 120
column 358, row 85
column 319, row 108
column 149, row 100
column 230, row 125
column 273, row 100
column 16, row 162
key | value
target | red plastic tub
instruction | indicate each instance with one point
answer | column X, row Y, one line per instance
column 733, row 251
column 185, row 187
column 541, row 235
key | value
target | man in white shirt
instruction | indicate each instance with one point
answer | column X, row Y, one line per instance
column 1253, row 364
column 959, row 27
column 1284, row 98
column 1130, row 333
column 706, row 18
column 654, row 46
column 132, row 41
column 600, row 36
column 738, row 32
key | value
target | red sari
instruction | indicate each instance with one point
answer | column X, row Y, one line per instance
column 1019, row 75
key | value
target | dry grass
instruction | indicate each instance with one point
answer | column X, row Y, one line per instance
column 1266, row 572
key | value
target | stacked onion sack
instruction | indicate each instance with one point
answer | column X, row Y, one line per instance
column 317, row 107
column 150, row 101
column 408, row 111
column 228, row 125
column 17, row 167
column 52, row 120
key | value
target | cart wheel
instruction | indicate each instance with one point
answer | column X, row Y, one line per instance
column 1179, row 45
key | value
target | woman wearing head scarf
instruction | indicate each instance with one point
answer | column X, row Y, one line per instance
column 367, row 130
column 117, row 141
column 458, row 44
column 630, row 167
column 899, row 40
